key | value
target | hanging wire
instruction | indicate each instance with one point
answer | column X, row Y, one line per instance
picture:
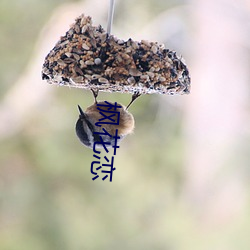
column 110, row 15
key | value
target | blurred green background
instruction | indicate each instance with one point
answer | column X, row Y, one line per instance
column 181, row 180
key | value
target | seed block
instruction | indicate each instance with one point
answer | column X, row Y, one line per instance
column 87, row 57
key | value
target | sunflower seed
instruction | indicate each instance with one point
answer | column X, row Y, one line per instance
column 77, row 29
column 77, row 57
column 85, row 46
column 145, row 42
column 144, row 78
column 78, row 70
column 134, row 72
column 150, row 74
column 103, row 80
column 68, row 54
column 95, row 76
column 77, row 79
column 131, row 80
column 84, row 29
column 64, row 43
column 61, row 62
column 69, row 60
column 88, row 62
column 154, row 49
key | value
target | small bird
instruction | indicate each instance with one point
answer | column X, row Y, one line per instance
column 88, row 132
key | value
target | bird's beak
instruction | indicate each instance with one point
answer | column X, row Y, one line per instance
column 82, row 115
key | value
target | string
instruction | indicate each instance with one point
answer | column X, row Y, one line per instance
column 110, row 16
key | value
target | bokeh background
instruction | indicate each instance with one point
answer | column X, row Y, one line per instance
column 181, row 180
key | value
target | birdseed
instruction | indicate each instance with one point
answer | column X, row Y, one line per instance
column 88, row 57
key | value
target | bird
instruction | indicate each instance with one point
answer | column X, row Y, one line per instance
column 89, row 57
column 89, row 132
